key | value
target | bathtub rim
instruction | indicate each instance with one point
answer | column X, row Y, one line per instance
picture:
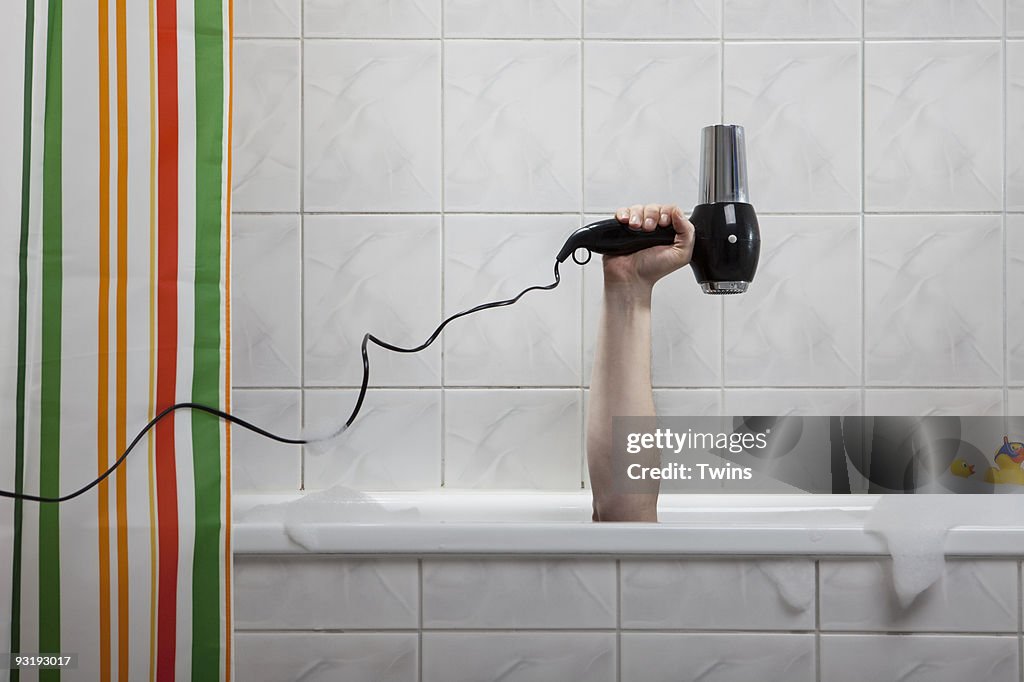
column 755, row 525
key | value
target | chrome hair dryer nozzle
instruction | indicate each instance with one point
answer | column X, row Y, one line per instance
column 727, row 241
column 723, row 165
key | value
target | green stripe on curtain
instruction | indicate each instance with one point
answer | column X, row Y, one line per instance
column 49, row 431
column 206, row 566
column 19, row 399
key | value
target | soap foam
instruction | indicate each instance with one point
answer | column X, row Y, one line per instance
column 321, row 441
column 313, row 516
column 794, row 580
column 914, row 528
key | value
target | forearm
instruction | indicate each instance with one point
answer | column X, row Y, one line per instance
column 620, row 386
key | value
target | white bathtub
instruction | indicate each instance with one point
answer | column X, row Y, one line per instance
column 471, row 522
column 488, row 586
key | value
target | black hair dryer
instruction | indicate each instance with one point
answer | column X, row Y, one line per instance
column 727, row 241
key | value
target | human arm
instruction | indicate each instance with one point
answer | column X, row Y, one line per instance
column 620, row 384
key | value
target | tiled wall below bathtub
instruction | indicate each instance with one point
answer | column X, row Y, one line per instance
column 398, row 162
column 464, row 619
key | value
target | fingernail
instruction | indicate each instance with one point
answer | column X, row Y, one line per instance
column 634, row 219
column 648, row 223
column 664, row 219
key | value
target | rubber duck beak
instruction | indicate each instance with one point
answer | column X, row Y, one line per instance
column 971, row 467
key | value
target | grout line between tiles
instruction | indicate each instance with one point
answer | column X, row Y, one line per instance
column 578, row 629
column 1004, row 88
column 583, row 278
column 808, row 214
column 302, row 239
column 657, row 387
column 863, row 222
column 566, row 39
column 419, row 632
column 618, row 619
column 1020, row 618
column 721, row 118
column 817, row 619
column 443, row 268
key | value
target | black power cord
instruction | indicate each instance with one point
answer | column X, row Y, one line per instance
column 263, row 432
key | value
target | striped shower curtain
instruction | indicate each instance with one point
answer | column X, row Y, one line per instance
column 114, row 289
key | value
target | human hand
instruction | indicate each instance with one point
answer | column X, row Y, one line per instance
column 646, row 267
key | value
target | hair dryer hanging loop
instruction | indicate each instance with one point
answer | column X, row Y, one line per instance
column 576, row 256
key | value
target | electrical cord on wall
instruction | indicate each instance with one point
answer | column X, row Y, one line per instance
column 267, row 434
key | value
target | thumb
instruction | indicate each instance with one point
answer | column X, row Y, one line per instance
column 683, row 227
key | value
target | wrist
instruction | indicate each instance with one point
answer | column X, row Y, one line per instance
column 627, row 293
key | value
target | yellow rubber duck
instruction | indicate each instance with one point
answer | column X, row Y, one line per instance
column 1008, row 464
column 961, row 468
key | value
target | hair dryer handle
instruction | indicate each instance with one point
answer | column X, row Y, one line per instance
column 614, row 238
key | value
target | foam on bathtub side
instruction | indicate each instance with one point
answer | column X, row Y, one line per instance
column 914, row 528
column 794, row 580
column 310, row 520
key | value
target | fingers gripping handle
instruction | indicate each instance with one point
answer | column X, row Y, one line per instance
column 614, row 238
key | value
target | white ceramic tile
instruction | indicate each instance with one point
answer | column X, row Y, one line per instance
column 265, row 137
column 266, row 311
column 519, row 593
column 378, row 275
column 394, row 443
column 642, row 137
column 927, row 18
column 933, row 304
column 918, row 658
column 799, row 104
column 326, row 657
column 267, row 18
column 718, row 594
column 792, row 19
column 535, row 342
column 1014, row 299
column 1015, row 17
column 512, row 125
column 372, row 125
column 684, row 402
column 322, row 592
column 943, row 401
column 518, row 657
column 652, row 18
column 1015, row 406
column 686, row 328
column 259, row 464
column 1014, row 130
column 699, row 657
column 800, row 323
column 792, row 402
column 970, row 596
column 926, row 151
column 512, row 18
column 373, row 19
column 512, row 438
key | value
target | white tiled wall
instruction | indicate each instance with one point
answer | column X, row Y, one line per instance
column 455, row 619
column 396, row 162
